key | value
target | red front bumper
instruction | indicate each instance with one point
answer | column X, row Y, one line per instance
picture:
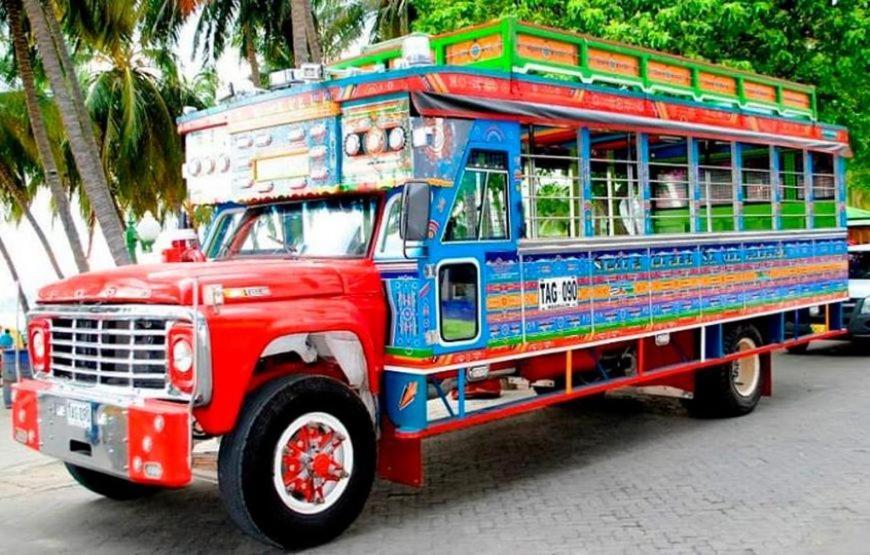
column 144, row 441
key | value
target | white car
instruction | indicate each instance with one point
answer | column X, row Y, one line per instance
column 857, row 308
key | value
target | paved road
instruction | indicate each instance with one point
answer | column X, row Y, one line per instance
column 626, row 476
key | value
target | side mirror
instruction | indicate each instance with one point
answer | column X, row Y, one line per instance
column 416, row 201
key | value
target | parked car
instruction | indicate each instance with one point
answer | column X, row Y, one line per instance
column 857, row 309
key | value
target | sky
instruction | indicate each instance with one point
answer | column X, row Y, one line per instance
column 25, row 250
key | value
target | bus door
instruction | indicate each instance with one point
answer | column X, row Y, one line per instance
column 477, row 223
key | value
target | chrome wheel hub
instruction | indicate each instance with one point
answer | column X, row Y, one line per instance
column 313, row 462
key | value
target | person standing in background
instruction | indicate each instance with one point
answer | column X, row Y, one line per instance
column 6, row 340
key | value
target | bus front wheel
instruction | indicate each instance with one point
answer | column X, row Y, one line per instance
column 298, row 468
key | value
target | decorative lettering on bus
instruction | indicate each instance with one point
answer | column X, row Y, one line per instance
column 558, row 292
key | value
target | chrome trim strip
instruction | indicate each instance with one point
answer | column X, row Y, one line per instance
column 115, row 311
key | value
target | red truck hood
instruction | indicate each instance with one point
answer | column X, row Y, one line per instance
column 241, row 279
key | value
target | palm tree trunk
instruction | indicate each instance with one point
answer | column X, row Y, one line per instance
column 40, row 134
column 22, row 300
column 91, row 225
column 311, row 34
column 8, row 182
column 300, row 38
column 251, row 55
column 79, row 130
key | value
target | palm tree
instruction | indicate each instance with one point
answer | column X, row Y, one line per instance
column 311, row 32
column 4, row 253
column 339, row 23
column 134, row 93
column 298, row 22
column 279, row 31
column 10, row 185
column 393, row 19
column 40, row 135
column 139, row 138
column 76, row 121
column 18, row 160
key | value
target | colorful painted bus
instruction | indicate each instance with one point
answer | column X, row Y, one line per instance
column 443, row 232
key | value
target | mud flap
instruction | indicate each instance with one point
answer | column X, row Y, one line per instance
column 400, row 460
column 766, row 375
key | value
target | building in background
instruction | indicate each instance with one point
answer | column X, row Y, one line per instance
column 858, row 222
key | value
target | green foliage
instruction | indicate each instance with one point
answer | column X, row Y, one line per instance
column 267, row 25
column 818, row 42
column 134, row 92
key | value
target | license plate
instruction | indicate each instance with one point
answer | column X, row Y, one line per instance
column 78, row 414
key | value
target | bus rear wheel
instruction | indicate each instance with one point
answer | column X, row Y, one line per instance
column 298, row 468
column 732, row 389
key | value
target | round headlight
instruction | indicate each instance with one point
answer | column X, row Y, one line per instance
column 182, row 356
column 38, row 343
column 352, row 144
column 224, row 163
column 396, row 138
column 375, row 141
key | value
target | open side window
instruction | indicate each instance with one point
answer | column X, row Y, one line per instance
column 480, row 210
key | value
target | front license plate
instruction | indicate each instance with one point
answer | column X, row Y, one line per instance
column 78, row 414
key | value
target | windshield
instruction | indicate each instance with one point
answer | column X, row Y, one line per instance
column 332, row 227
column 859, row 265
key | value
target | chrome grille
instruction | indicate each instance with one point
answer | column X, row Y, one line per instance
column 106, row 350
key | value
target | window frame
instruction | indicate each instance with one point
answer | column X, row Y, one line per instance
column 478, row 304
column 381, row 234
column 507, row 200
column 377, row 204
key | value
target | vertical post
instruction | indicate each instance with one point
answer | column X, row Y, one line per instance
column 775, row 190
column 737, row 184
column 573, row 190
column 584, row 58
column 569, row 366
column 643, row 180
column 694, row 186
column 611, row 224
column 703, row 343
column 641, row 356
column 644, row 72
column 15, row 352
column 196, row 342
column 809, row 190
column 532, row 180
column 460, row 387
column 584, row 151
column 508, row 33
column 840, row 189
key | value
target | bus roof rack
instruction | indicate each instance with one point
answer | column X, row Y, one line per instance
column 510, row 45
